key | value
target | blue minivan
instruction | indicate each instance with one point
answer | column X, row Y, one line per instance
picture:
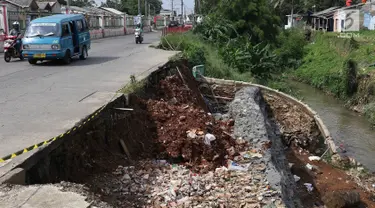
column 56, row 37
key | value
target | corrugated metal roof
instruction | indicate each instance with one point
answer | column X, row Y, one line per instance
column 21, row 3
column 115, row 11
column 326, row 11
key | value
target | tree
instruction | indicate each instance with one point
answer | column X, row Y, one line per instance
column 252, row 17
column 131, row 6
column 82, row 3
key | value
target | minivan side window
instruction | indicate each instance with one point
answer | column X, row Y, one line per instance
column 65, row 29
column 79, row 26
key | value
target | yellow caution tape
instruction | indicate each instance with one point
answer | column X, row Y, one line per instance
column 35, row 146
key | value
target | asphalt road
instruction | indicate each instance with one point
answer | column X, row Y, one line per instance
column 42, row 101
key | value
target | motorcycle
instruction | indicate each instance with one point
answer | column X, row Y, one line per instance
column 10, row 50
column 138, row 36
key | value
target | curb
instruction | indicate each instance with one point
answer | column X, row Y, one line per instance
column 323, row 129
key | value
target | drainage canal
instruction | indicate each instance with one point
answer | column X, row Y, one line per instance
column 348, row 128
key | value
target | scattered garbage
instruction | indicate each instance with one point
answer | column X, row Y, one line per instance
column 309, row 187
column 175, row 185
column 234, row 166
column 296, row 178
column 208, row 138
column 314, row 158
column 308, row 166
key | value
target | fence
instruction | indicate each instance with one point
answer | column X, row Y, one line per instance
column 112, row 25
column 2, row 37
column 25, row 17
column 170, row 30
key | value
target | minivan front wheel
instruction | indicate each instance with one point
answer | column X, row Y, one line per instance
column 67, row 58
column 32, row 61
column 84, row 53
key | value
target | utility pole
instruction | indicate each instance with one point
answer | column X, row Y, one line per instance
column 292, row 13
column 172, row 9
column 145, row 8
column 67, row 7
column 139, row 7
column 182, row 11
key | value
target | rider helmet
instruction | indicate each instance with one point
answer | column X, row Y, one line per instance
column 16, row 25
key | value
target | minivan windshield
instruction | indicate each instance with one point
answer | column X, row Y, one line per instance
column 43, row 30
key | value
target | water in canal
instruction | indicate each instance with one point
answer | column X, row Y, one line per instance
column 345, row 126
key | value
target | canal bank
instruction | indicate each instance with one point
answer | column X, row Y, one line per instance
column 347, row 128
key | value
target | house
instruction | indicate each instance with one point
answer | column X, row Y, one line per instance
column 296, row 20
column 44, row 6
column 117, row 19
column 22, row 11
column 340, row 14
column 21, row 5
column 55, row 5
column 323, row 20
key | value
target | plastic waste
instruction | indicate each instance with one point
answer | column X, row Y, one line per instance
column 309, row 187
column 316, row 158
column 234, row 166
column 161, row 162
column 208, row 138
column 308, row 166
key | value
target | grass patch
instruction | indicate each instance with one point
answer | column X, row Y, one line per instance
column 133, row 87
column 197, row 51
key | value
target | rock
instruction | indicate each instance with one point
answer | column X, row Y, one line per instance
column 126, row 177
column 231, row 122
column 182, row 118
column 336, row 160
column 191, row 135
column 341, row 199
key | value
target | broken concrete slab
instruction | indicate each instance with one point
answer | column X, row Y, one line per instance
column 46, row 196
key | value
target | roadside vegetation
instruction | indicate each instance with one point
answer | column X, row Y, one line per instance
column 228, row 54
column 343, row 67
column 233, row 42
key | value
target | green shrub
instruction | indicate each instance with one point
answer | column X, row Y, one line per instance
column 369, row 111
column 290, row 48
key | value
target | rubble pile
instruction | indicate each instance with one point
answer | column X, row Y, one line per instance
column 186, row 132
column 160, row 184
column 296, row 126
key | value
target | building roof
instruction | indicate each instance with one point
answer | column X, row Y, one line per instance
column 326, row 11
column 88, row 10
column 44, row 5
column 112, row 10
column 57, row 18
column 75, row 9
column 21, row 3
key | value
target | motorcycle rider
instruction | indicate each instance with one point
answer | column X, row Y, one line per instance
column 140, row 27
column 15, row 32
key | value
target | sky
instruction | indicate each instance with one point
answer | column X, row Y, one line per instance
column 189, row 4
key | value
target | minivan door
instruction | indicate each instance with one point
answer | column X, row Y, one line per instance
column 66, row 38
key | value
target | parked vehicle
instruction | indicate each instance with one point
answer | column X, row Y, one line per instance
column 138, row 36
column 10, row 49
column 57, row 37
